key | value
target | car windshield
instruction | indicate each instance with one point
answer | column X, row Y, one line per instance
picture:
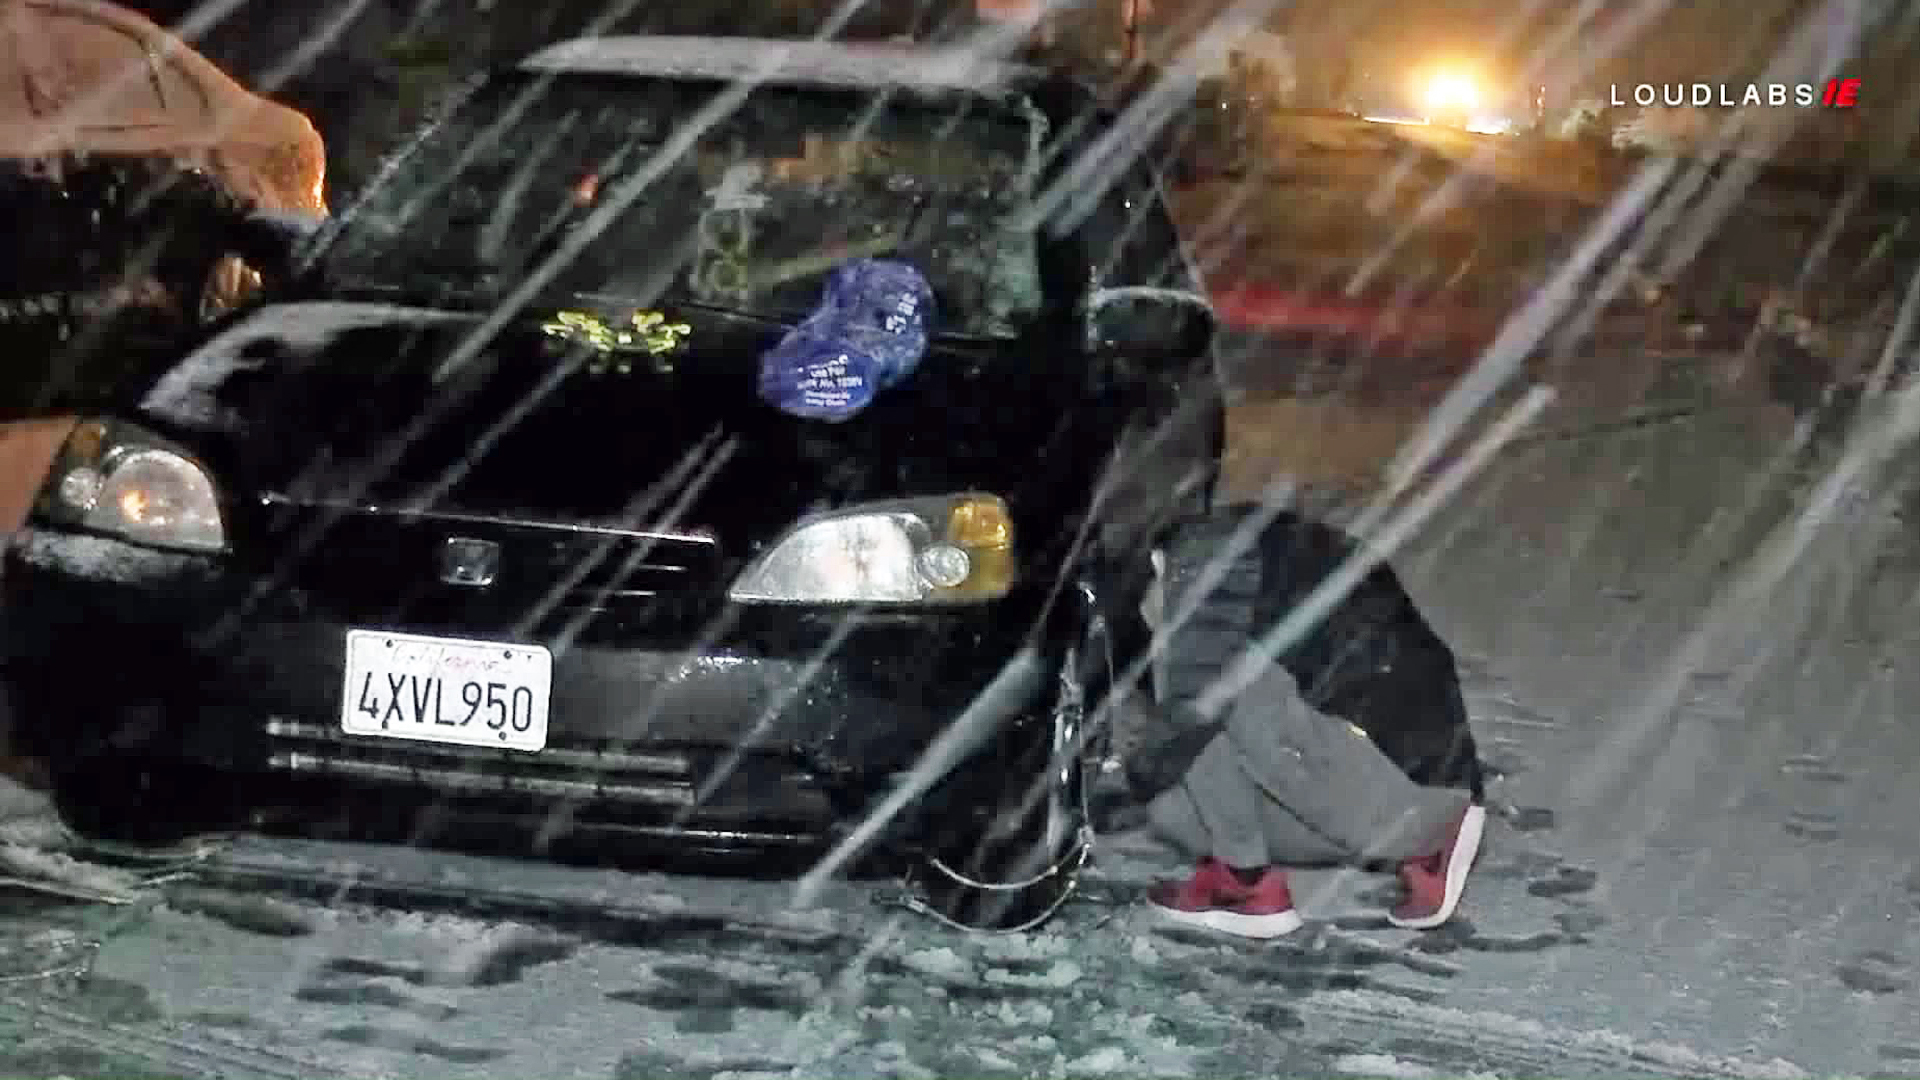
column 750, row 218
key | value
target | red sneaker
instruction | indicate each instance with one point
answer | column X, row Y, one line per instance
column 1434, row 884
column 1214, row 899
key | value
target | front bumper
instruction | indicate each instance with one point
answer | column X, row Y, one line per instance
column 763, row 730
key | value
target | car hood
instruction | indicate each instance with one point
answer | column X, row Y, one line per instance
column 438, row 411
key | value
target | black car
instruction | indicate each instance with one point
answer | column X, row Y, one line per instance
column 479, row 525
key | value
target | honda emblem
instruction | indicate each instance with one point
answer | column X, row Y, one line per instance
column 470, row 562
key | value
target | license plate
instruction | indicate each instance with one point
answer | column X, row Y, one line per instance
column 446, row 690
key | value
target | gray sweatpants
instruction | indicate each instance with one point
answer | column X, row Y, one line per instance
column 1284, row 784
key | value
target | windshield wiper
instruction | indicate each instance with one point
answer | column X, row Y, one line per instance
column 816, row 263
column 731, row 313
column 793, row 318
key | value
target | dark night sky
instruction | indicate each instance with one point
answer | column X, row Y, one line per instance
column 1689, row 40
column 1692, row 39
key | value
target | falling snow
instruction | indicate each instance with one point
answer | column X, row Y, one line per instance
column 1684, row 609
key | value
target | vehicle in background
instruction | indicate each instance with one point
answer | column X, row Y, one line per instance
column 1456, row 95
column 129, row 166
column 1450, row 99
column 483, row 516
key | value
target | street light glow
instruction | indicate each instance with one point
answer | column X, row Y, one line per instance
column 1452, row 92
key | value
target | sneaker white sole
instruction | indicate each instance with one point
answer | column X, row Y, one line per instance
column 1466, row 848
column 1261, row 927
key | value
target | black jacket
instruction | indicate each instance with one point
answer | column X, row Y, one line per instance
column 1372, row 660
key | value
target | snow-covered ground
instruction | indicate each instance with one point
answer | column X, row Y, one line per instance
column 1705, row 866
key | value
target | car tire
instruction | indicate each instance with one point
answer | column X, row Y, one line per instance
column 1009, row 861
column 136, row 801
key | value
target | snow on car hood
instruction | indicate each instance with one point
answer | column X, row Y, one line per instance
column 188, row 394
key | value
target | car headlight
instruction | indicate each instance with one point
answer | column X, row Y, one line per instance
column 120, row 480
column 950, row 550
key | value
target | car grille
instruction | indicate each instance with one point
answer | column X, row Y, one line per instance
column 662, row 780
column 366, row 561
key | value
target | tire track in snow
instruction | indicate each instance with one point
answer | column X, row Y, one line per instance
column 1534, row 1048
column 188, row 1054
column 1342, row 1008
column 1340, row 1022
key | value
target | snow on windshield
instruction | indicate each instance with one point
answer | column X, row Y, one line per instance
column 793, row 183
column 731, row 59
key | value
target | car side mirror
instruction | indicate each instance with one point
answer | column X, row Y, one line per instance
column 1145, row 322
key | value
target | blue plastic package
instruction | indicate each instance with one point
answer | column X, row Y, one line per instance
column 869, row 333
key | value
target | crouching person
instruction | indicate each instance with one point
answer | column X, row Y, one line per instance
column 1352, row 748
